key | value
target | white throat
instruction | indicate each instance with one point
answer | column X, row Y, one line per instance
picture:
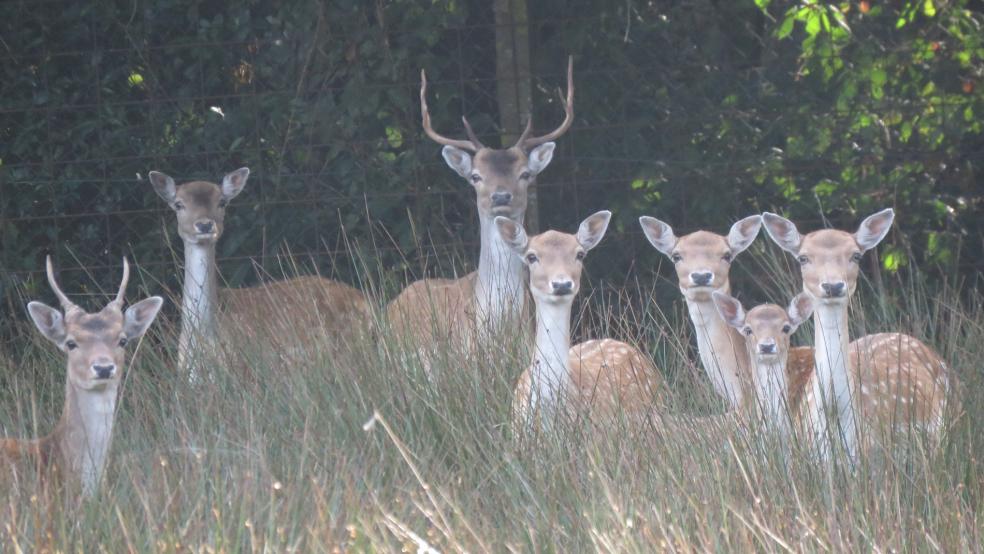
column 88, row 433
column 499, row 292
column 550, row 373
column 832, row 381
column 772, row 394
column 722, row 351
column 198, row 304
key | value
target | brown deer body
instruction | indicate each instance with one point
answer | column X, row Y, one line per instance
column 77, row 449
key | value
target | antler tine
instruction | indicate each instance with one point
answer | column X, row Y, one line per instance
column 568, row 113
column 126, row 278
column 471, row 134
column 526, row 131
column 67, row 304
column 425, row 116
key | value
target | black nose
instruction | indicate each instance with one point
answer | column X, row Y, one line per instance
column 767, row 348
column 834, row 290
column 561, row 288
column 702, row 279
column 501, row 198
column 205, row 226
column 104, row 371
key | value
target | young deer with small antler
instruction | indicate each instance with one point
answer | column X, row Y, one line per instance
column 316, row 307
column 702, row 260
column 885, row 381
column 490, row 298
column 95, row 347
column 604, row 375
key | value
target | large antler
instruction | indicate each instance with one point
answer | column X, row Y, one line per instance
column 118, row 301
column 526, row 141
column 473, row 144
column 67, row 304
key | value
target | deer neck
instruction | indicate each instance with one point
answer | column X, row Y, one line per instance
column 771, row 399
column 85, row 432
column 198, row 299
column 499, row 292
column 722, row 350
column 832, row 381
column 550, row 373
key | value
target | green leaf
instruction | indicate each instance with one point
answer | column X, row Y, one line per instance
column 786, row 27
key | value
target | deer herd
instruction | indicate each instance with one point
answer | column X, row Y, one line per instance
column 838, row 393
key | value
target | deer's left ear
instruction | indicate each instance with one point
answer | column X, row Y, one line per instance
column 138, row 317
column 593, row 229
column 801, row 308
column 743, row 233
column 730, row 309
column 513, row 234
column 233, row 183
column 540, row 157
column 874, row 228
column 48, row 320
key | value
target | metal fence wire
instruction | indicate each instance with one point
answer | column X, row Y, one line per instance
column 678, row 114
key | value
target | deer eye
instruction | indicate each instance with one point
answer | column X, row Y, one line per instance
column 728, row 256
column 856, row 257
column 71, row 345
column 525, row 175
column 676, row 257
column 178, row 206
column 223, row 203
column 580, row 255
column 123, row 342
column 803, row 260
column 747, row 331
column 475, row 177
column 531, row 258
column 787, row 328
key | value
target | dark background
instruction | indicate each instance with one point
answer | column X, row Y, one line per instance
column 698, row 112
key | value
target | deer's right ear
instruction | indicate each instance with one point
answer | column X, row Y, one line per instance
column 458, row 160
column 783, row 232
column 512, row 234
column 163, row 185
column 659, row 234
column 540, row 157
column 233, row 183
column 48, row 320
column 139, row 316
column 801, row 308
column 730, row 309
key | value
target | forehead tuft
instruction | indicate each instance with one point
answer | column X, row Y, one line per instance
column 107, row 320
column 199, row 193
column 553, row 240
column 829, row 239
column 766, row 313
column 702, row 239
column 502, row 162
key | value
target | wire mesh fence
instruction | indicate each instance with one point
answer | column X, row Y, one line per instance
column 679, row 114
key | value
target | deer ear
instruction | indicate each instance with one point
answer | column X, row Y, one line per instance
column 163, row 185
column 458, row 160
column 139, row 316
column 743, row 233
column 801, row 308
column 659, row 234
column 512, row 233
column 233, row 183
column 783, row 232
column 874, row 228
column 540, row 157
column 48, row 320
column 729, row 308
column 593, row 229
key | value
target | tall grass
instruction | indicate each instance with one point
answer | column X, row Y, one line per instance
column 357, row 448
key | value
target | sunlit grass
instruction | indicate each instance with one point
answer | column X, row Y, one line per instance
column 358, row 448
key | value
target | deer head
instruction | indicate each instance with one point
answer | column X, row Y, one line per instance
column 702, row 259
column 199, row 205
column 829, row 259
column 767, row 327
column 555, row 259
column 501, row 177
column 94, row 343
